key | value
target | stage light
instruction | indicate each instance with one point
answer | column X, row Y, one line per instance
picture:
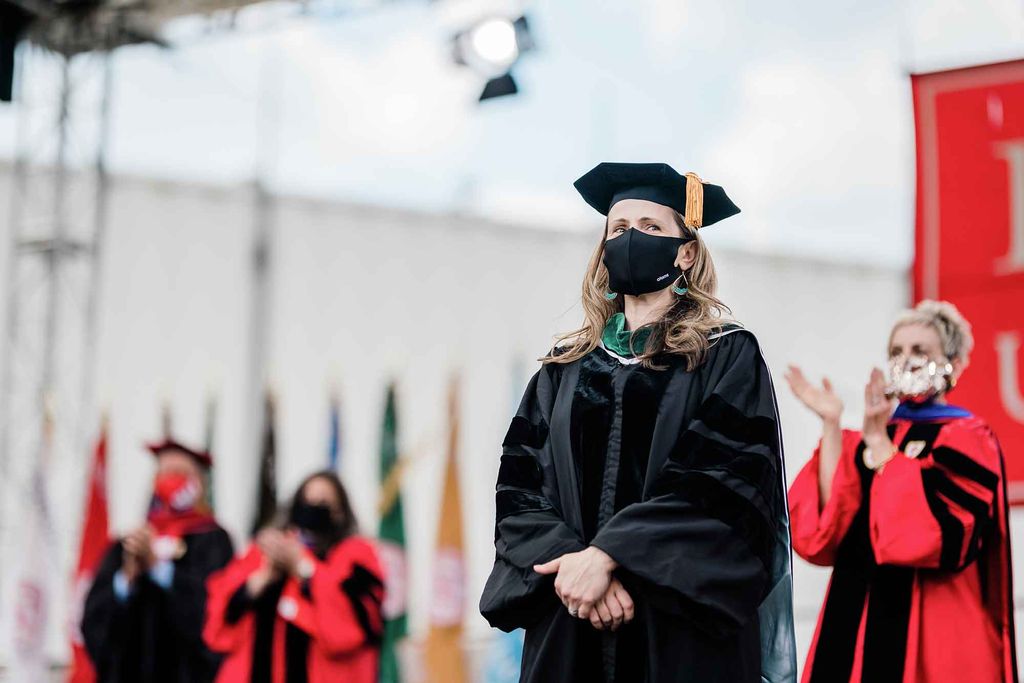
column 494, row 42
column 491, row 48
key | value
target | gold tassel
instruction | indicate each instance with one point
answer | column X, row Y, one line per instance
column 693, row 218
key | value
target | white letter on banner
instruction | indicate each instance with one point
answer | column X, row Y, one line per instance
column 1013, row 153
column 1007, row 345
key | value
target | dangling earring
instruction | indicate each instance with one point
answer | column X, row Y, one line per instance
column 610, row 295
column 681, row 290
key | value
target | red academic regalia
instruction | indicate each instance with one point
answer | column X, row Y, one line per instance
column 322, row 630
column 921, row 586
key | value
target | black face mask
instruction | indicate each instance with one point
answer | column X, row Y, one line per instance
column 316, row 519
column 639, row 263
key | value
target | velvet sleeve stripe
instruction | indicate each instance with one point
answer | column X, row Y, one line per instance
column 524, row 432
column 724, row 418
column 717, row 500
column 513, row 501
column 978, row 509
column 952, row 528
column 520, row 471
column 698, row 452
column 365, row 592
column 964, row 466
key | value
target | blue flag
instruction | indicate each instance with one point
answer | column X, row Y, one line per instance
column 505, row 657
column 334, row 441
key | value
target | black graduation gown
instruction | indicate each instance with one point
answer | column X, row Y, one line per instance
column 679, row 477
column 156, row 635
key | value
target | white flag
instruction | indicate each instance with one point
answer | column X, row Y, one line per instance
column 34, row 571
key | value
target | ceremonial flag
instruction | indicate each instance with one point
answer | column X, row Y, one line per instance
column 94, row 541
column 34, row 572
column 334, row 440
column 444, row 656
column 209, row 436
column 392, row 544
column 167, row 419
column 266, row 497
column 210, row 423
column 505, row 658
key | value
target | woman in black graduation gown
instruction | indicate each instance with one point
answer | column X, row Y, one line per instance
column 642, row 531
column 143, row 616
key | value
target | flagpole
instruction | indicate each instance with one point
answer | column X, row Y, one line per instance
column 257, row 380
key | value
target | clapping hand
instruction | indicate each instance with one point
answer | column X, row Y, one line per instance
column 282, row 549
column 877, row 411
column 822, row 400
column 138, row 552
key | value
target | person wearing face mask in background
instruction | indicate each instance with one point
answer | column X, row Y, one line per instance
column 143, row 616
column 911, row 514
column 642, row 532
column 304, row 602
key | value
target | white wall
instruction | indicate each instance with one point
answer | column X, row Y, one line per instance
column 366, row 294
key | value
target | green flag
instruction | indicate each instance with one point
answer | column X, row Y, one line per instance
column 392, row 543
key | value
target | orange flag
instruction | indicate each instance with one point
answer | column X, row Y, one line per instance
column 445, row 659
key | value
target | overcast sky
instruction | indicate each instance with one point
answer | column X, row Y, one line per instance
column 801, row 110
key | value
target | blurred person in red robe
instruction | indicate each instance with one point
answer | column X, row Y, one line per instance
column 911, row 513
column 304, row 602
column 143, row 616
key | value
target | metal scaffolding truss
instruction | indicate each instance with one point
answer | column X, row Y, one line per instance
column 58, row 211
column 58, row 218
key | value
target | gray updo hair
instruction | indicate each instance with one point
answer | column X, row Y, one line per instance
column 953, row 329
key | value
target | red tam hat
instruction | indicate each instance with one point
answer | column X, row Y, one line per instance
column 204, row 458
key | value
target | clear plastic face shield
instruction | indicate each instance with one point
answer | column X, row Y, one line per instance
column 917, row 378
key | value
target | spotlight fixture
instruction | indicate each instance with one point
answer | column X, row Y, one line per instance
column 491, row 48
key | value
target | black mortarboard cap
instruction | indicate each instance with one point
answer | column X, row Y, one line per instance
column 168, row 444
column 701, row 204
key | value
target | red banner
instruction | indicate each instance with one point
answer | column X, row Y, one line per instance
column 94, row 542
column 970, row 233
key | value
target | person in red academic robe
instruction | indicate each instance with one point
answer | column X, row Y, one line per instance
column 143, row 616
column 911, row 514
column 303, row 605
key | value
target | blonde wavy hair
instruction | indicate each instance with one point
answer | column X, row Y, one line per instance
column 683, row 329
column 953, row 329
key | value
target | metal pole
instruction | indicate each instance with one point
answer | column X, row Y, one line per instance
column 19, row 186
column 262, row 262
column 100, row 220
column 55, row 252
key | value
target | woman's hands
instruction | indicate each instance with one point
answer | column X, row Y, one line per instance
column 261, row 578
column 822, row 400
column 613, row 610
column 582, row 579
column 877, row 411
column 138, row 552
column 826, row 404
column 282, row 549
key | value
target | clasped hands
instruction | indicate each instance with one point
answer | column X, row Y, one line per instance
column 282, row 552
column 585, row 585
column 137, row 552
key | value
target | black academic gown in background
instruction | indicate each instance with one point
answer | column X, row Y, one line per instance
column 156, row 635
column 679, row 477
